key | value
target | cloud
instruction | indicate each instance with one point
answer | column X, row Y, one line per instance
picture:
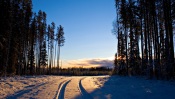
column 86, row 63
column 101, row 63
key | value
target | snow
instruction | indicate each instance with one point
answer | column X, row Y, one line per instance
column 85, row 87
column 29, row 86
column 117, row 87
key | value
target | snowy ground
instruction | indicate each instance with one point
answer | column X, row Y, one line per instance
column 85, row 87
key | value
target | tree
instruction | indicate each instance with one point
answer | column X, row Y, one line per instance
column 60, row 39
column 33, row 37
column 50, row 34
column 23, row 39
column 43, row 57
column 152, row 21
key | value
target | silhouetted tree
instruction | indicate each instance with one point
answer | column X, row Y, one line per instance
column 152, row 21
column 60, row 39
column 23, row 41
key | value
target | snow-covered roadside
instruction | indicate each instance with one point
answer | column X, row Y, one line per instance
column 117, row 87
column 18, row 86
column 85, row 87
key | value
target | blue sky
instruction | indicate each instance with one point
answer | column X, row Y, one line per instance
column 87, row 26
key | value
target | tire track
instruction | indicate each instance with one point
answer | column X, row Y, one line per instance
column 61, row 89
column 31, row 91
column 83, row 92
column 25, row 91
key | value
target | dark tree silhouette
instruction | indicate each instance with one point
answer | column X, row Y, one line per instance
column 60, row 39
column 146, row 30
column 23, row 39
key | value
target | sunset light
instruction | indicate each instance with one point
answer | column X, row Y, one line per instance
column 87, row 30
column 87, row 49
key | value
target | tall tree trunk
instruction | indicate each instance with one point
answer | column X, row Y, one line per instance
column 169, row 38
column 58, row 60
column 126, row 47
column 145, row 38
column 32, row 54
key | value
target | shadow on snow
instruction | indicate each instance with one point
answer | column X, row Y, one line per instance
column 123, row 87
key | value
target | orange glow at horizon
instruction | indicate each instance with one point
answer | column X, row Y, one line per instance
column 88, row 63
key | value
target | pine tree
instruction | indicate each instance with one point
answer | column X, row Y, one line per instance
column 43, row 58
column 33, row 32
column 152, row 21
column 60, row 39
column 50, row 34
column 23, row 39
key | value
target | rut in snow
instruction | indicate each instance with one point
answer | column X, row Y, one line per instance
column 62, row 88
column 83, row 92
column 27, row 90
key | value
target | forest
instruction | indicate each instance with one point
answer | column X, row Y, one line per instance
column 27, row 43
column 30, row 46
column 145, row 32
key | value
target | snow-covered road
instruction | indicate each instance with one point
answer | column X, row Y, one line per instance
column 72, row 88
column 85, row 87
column 43, row 87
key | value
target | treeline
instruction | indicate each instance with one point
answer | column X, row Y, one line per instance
column 28, row 45
column 93, row 71
column 144, row 31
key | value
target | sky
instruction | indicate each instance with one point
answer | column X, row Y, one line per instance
column 87, row 27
